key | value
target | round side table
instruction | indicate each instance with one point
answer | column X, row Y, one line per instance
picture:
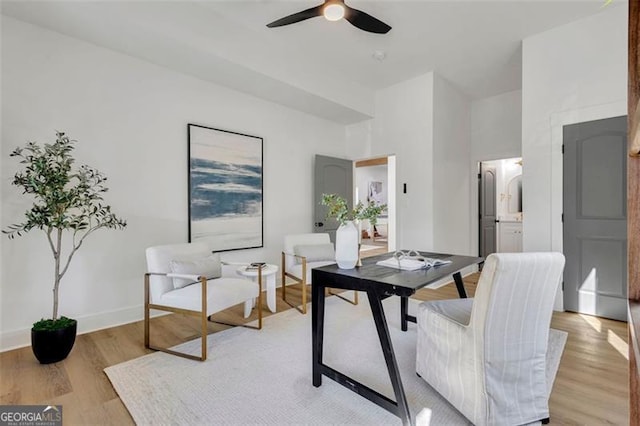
column 268, row 278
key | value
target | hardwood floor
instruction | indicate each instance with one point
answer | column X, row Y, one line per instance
column 590, row 388
column 381, row 247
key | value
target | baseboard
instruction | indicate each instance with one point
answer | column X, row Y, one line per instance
column 20, row 338
column 15, row 339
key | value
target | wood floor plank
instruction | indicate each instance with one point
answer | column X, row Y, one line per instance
column 590, row 388
column 28, row 381
column 86, row 367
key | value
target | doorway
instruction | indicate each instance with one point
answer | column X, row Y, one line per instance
column 364, row 180
column 374, row 181
column 500, row 206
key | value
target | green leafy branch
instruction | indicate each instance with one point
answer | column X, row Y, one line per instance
column 338, row 209
column 64, row 199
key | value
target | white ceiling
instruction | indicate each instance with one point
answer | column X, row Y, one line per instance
column 320, row 67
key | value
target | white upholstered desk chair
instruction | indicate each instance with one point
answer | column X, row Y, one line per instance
column 486, row 355
column 302, row 253
column 177, row 282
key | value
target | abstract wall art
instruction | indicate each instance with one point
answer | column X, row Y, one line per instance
column 225, row 188
column 377, row 193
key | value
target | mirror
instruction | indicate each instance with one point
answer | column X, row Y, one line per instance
column 514, row 192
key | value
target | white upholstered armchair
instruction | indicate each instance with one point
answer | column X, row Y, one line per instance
column 189, row 279
column 486, row 355
column 302, row 253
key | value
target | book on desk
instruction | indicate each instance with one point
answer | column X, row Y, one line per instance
column 255, row 266
column 412, row 263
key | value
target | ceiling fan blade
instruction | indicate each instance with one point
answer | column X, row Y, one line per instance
column 297, row 17
column 364, row 21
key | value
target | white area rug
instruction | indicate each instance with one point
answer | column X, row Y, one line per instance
column 367, row 247
column 264, row 377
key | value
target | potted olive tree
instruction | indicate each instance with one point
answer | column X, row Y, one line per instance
column 67, row 202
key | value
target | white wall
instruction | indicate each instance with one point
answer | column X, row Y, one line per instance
column 451, row 174
column 496, row 132
column 425, row 122
column 131, row 117
column 359, row 138
column 496, row 127
column 578, row 66
column 403, row 126
column 573, row 73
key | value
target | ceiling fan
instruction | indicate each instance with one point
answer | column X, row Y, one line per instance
column 335, row 10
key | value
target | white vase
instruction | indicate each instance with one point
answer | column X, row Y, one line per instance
column 347, row 245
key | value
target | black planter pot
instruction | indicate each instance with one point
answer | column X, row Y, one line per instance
column 53, row 346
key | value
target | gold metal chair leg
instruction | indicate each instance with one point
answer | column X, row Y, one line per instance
column 259, row 299
column 297, row 308
column 284, row 278
column 203, row 355
column 176, row 353
column 202, row 315
column 204, row 333
column 353, row 302
column 304, row 298
column 304, row 287
column 302, row 309
column 147, row 326
column 146, row 310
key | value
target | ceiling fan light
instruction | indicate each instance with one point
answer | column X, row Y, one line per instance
column 333, row 12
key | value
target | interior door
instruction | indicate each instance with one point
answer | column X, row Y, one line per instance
column 488, row 219
column 332, row 176
column 595, row 217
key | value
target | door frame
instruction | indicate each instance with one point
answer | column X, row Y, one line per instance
column 391, row 194
column 475, row 219
column 558, row 121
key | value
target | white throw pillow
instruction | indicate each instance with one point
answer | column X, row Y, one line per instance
column 315, row 252
column 209, row 267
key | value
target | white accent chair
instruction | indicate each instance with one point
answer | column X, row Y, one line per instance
column 486, row 355
column 202, row 299
column 299, row 258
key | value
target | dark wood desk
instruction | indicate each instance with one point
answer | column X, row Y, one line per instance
column 379, row 282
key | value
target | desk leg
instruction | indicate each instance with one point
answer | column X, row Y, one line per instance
column 317, row 326
column 389, row 356
column 404, row 311
column 457, row 277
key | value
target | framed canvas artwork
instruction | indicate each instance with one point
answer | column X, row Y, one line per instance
column 225, row 188
column 377, row 193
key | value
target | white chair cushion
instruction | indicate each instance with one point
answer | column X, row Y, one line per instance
column 458, row 310
column 290, row 241
column 158, row 258
column 296, row 269
column 315, row 252
column 208, row 267
column 221, row 294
